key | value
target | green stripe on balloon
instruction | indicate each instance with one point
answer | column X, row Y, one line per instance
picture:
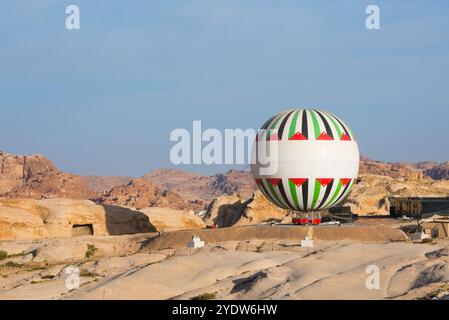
column 269, row 194
column 345, row 128
column 344, row 193
column 316, row 125
column 280, row 188
column 334, row 196
column 316, row 193
column 273, row 126
column 292, row 130
column 348, row 191
column 266, row 193
column 282, row 198
column 274, row 194
column 334, row 123
column 277, row 120
column 293, row 193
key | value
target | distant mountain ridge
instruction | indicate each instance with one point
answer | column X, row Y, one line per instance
column 99, row 184
column 439, row 171
column 197, row 186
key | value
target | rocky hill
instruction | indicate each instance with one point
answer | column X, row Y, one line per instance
column 424, row 165
column 393, row 170
column 203, row 188
column 37, row 177
column 408, row 170
column 439, row 171
column 192, row 186
column 33, row 219
column 100, row 184
column 369, row 195
column 141, row 193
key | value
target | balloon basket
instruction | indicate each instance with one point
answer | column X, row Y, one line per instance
column 305, row 218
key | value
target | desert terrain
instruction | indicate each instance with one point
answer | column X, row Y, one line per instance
column 127, row 267
column 128, row 237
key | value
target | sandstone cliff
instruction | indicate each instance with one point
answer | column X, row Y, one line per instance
column 167, row 219
column 369, row 195
column 33, row 219
column 227, row 211
column 37, row 177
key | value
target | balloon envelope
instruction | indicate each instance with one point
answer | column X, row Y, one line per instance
column 313, row 160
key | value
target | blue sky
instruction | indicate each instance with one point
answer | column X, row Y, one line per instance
column 103, row 99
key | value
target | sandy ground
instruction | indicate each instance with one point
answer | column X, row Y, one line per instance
column 359, row 233
column 249, row 269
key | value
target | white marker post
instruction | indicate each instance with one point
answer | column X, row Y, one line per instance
column 307, row 243
column 196, row 243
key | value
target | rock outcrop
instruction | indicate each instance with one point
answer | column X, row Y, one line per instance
column 224, row 211
column 36, row 177
column 141, row 193
column 200, row 188
column 234, row 182
column 393, row 170
column 439, row 172
column 167, row 219
column 410, row 171
column 369, row 195
column 260, row 210
column 100, row 184
column 33, row 219
column 227, row 211
column 188, row 184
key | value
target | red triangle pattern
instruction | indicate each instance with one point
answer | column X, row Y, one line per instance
column 324, row 136
column 297, row 136
column 345, row 137
column 298, row 181
column 345, row 181
column 325, row 181
column 274, row 181
column 258, row 181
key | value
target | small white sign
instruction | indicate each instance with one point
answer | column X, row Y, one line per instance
column 307, row 243
column 196, row 243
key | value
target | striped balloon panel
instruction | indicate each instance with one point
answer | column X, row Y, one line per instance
column 303, row 194
column 305, row 124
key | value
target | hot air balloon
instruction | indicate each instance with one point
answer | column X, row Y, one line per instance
column 316, row 160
